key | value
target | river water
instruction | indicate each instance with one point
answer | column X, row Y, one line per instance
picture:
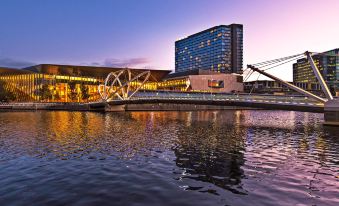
column 243, row 157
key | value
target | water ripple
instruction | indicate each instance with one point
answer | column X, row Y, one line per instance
column 168, row 158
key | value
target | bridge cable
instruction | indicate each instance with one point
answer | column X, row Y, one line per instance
column 250, row 73
column 253, row 84
column 275, row 60
column 281, row 63
column 247, row 74
column 297, row 57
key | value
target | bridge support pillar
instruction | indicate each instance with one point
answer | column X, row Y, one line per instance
column 115, row 108
column 331, row 113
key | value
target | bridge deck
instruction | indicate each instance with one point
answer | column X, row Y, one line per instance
column 294, row 103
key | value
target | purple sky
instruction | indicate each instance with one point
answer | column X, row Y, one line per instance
column 141, row 33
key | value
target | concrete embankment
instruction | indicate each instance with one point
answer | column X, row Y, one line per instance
column 166, row 104
column 331, row 114
column 103, row 107
column 50, row 106
column 177, row 107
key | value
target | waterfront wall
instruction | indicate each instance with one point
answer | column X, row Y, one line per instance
column 45, row 106
column 114, row 108
column 331, row 113
column 177, row 107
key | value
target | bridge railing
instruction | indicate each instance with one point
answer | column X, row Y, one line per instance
column 293, row 100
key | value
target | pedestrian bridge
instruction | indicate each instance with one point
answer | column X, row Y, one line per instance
column 118, row 90
column 295, row 103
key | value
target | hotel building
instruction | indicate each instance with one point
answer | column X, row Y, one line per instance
column 218, row 49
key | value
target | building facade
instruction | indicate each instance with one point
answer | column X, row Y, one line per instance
column 328, row 65
column 61, row 83
column 202, row 81
column 72, row 83
column 218, row 49
column 265, row 87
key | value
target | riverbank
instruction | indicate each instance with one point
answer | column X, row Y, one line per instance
column 103, row 107
column 45, row 106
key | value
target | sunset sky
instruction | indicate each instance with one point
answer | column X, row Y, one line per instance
column 141, row 33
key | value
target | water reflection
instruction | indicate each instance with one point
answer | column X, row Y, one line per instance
column 230, row 156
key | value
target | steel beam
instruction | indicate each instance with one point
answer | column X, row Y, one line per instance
column 320, row 78
column 289, row 85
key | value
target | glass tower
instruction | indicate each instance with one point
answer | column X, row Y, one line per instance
column 219, row 49
column 328, row 64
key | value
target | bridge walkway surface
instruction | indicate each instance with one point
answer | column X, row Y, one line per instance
column 294, row 103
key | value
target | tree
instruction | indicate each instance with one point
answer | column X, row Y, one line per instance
column 45, row 93
column 84, row 92
column 73, row 93
column 5, row 94
column 57, row 96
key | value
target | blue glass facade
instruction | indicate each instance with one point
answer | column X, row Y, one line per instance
column 218, row 49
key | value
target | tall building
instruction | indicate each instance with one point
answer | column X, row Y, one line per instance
column 328, row 64
column 219, row 49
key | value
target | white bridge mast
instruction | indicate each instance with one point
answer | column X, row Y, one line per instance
column 320, row 78
column 317, row 73
column 287, row 84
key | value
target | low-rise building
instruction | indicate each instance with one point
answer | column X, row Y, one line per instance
column 202, row 81
column 61, row 83
column 72, row 83
column 265, row 87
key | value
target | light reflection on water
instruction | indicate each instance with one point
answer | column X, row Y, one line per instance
column 168, row 158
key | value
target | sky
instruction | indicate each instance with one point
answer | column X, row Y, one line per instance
column 141, row 33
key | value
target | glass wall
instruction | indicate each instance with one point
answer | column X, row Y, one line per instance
column 327, row 64
column 210, row 49
column 50, row 88
column 180, row 84
column 56, row 88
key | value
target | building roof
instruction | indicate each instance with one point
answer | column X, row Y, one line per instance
column 9, row 71
column 76, row 70
column 263, row 80
column 207, row 30
column 184, row 74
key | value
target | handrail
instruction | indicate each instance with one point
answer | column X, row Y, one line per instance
column 224, row 97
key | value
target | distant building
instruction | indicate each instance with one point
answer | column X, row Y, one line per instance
column 265, row 87
column 218, row 49
column 202, row 81
column 327, row 63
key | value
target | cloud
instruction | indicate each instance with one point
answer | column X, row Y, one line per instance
column 122, row 63
column 125, row 62
column 13, row 63
column 112, row 62
column 109, row 62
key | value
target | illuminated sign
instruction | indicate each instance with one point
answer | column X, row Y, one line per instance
column 215, row 83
